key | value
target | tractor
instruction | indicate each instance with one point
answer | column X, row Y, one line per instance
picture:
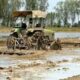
column 31, row 32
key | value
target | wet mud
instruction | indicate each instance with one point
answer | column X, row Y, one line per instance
column 39, row 65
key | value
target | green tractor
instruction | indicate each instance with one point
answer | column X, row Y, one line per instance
column 32, row 34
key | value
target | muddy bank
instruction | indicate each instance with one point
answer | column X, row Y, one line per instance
column 67, row 43
column 3, row 42
column 73, row 78
column 40, row 65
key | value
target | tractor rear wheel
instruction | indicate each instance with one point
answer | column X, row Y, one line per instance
column 11, row 42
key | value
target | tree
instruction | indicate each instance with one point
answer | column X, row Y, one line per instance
column 59, row 13
column 13, row 5
column 42, row 4
column 3, row 9
column 36, row 4
column 3, row 5
column 77, row 4
column 51, row 18
column 7, row 7
column 31, row 4
column 67, row 11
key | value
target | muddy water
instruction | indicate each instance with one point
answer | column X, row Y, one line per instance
column 65, row 67
column 4, row 35
column 5, row 61
column 68, row 35
column 56, row 35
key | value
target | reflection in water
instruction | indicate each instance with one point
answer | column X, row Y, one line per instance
column 4, row 35
column 56, row 35
column 67, row 35
column 61, row 72
column 2, row 77
column 5, row 61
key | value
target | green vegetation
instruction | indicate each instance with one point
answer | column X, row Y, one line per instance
column 64, row 29
column 54, row 29
column 5, row 29
column 7, row 7
column 66, row 13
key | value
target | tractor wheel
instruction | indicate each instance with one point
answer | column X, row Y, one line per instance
column 11, row 42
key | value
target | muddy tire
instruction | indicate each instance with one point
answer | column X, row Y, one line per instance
column 11, row 42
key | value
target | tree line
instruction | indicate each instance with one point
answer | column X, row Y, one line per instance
column 66, row 13
column 7, row 7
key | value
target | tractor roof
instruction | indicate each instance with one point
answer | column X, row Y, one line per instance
column 33, row 13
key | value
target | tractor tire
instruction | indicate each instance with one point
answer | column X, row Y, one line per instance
column 11, row 42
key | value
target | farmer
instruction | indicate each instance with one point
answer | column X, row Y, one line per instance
column 21, row 32
column 23, row 29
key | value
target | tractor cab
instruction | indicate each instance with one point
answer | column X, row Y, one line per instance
column 35, row 21
column 32, row 18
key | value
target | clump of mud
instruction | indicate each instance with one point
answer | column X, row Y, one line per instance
column 35, row 64
column 76, row 60
column 63, row 61
column 1, row 68
column 73, row 78
column 10, row 78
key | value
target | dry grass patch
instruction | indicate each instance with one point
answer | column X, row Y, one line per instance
column 5, row 29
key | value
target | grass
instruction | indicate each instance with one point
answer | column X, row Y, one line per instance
column 5, row 29
column 2, row 43
column 65, row 29
column 55, row 29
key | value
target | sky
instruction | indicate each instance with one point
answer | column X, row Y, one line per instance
column 52, row 4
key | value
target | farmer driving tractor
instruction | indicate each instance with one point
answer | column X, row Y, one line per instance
column 21, row 31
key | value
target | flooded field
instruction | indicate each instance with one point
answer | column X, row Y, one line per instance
column 40, row 65
column 68, row 35
column 48, row 65
column 56, row 35
column 4, row 35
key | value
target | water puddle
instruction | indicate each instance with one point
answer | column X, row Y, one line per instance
column 60, row 71
column 61, row 58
